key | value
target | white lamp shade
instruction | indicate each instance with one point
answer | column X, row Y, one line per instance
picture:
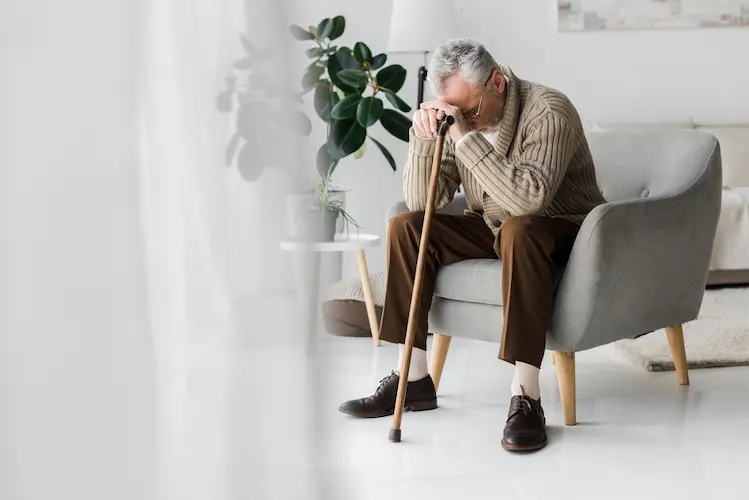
column 421, row 25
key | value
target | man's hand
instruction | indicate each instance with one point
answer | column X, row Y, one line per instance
column 440, row 109
column 425, row 123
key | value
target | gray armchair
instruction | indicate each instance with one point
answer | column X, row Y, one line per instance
column 640, row 261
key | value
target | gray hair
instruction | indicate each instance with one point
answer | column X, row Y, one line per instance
column 463, row 56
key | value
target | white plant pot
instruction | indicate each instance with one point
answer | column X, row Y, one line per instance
column 299, row 213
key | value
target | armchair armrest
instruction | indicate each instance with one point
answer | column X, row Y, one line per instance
column 638, row 265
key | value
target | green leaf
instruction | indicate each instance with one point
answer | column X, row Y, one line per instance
column 300, row 33
column 385, row 153
column 395, row 123
column 313, row 30
column 249, row 47
column 313, row 52
column 339, row 26
column 332, row 166
column 324, row 161
column 323, row 102
column 360, row 152
column 346, row 109
column 397, row 102
column 313, row 73
column 334, row 67
column 392, row 77
column 346, row 136
column 353, row 78
column 379, row 61
column 325, row 28
column 243, row 64
column 224, row 101
column 369, row 111
column 231, row 149
column 330, row 50
column 347, row 59
column 362, row 52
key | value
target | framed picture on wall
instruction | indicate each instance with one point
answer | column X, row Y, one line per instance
column 608, row 15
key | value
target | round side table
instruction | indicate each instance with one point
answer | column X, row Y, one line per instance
column 342, row 243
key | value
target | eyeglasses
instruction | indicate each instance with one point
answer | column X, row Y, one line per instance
column 481, row 98
column 471, row 115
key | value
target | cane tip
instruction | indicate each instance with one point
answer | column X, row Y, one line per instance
column 395, row 436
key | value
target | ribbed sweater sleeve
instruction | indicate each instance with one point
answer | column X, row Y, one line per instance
column 418, row 169
column 526, row 185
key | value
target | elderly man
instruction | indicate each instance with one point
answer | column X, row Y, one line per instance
column 519, row 151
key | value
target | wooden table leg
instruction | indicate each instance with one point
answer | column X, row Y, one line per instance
column 368, row 297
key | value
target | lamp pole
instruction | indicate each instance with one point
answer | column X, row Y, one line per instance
column 422, row 80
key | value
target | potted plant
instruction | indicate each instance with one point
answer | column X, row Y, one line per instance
column 326, row 212
column 348, row 86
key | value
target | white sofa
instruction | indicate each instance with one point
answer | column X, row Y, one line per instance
column 730, row 258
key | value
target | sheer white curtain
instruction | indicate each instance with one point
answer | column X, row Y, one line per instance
column 221, row 301
column 148, row 343
column 77, row 402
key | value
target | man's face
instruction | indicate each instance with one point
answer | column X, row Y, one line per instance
column 466, row 96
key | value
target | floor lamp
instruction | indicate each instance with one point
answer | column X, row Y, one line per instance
column 418, row 27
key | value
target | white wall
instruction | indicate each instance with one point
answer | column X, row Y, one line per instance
column 643, row 76
column 77, row 417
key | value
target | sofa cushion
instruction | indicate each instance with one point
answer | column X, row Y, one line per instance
column 343, row 310
column 734, row 152
column 602, row 126
column 731, row 247
column 476, row 280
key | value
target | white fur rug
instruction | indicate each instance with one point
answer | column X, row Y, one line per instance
column 719, row 337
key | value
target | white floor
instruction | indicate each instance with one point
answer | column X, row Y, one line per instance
column 250, row 433
column 640, row 435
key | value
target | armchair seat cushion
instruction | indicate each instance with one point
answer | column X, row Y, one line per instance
column 478, row 281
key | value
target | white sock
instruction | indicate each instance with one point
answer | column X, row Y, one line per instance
column 417, row 369
column 525, row 381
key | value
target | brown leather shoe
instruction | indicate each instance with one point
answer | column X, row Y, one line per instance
column 526, row 425
column 420, row 395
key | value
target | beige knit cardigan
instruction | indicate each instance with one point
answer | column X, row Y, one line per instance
column 540, row 163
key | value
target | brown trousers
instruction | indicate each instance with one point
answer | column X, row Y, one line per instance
column 531, row 249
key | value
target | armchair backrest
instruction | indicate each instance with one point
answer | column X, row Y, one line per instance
column 646, row 164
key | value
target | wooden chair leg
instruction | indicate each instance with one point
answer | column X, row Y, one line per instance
column 565, row 362
column 440, row 345
column 675, row 336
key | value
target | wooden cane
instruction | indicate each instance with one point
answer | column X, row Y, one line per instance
column 395, row 431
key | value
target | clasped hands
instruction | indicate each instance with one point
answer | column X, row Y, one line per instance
column 425, row 120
